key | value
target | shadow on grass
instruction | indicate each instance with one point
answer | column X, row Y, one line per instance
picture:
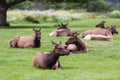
column 70, row 67
column 19, row 26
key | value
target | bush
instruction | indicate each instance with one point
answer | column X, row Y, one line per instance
column 115, row 14
column 25, row 5
column 57, row 6
column 98, row 6
column 31, row 19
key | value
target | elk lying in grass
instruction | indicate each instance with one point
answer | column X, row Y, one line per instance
column 76, row 45
column 50, row 60
column 101, row 25
column 32, row 41
column 61, row 32
column 100, row 34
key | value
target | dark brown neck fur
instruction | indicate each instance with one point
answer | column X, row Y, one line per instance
column 51, row 60
column 37, row 42
column 79, row 46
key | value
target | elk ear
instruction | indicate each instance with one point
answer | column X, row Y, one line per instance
column 61, row 23
column 66, row 24
column 114, row 26
column 58, row 24
column 103, row 21
column 33, row 29
column 60, row 42
column 39, row 29
column 53, row 43
column 77, row 33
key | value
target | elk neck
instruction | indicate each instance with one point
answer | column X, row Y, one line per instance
column 52, row 59
column 37, row 42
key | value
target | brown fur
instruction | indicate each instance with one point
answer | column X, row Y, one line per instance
column 61, row 32
column 71, row 47
column 97, row 32
column 26, row 41
column 63, row 26
column 100, row 34
column 50, row 60
column 14, row 41
column 101, row 25
column 76, row 45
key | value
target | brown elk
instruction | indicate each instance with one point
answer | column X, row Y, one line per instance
column 61, row 32
column 76, row 45
column 32, row 41
column 106, row 32
column 100, row 34
column 101, row 25
column 50, row 60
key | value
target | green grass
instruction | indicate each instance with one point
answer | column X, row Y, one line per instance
column 102, row 62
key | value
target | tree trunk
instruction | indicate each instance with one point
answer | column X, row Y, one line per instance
column 4, row 5
column 3, row 16
column 3, row 13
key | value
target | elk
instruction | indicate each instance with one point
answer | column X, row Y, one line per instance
column 76, row 45
column 50, row 60
column 100, row 34
column 61, row 32
column 32, row 41
column 109, row 31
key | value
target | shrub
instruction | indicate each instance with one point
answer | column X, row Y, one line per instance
column 41, row 18
column 98, row 6
column 115, row 14
column 57, row 6
column 25, row 5
column 31, row 19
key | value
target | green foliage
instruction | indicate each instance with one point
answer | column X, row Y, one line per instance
column 24, row 5
column 31, row 19
column 115, row 14
column 89, row 5
column 98, row 6
column 56, row 6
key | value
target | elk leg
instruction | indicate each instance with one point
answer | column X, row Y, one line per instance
column 14, row 41
column 28, row 45
column 57, row 65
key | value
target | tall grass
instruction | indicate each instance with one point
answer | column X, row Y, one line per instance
column 102, row 62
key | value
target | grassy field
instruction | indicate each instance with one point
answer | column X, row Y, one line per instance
column 102, row 62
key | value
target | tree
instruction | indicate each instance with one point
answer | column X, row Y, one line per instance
column 4, row 5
